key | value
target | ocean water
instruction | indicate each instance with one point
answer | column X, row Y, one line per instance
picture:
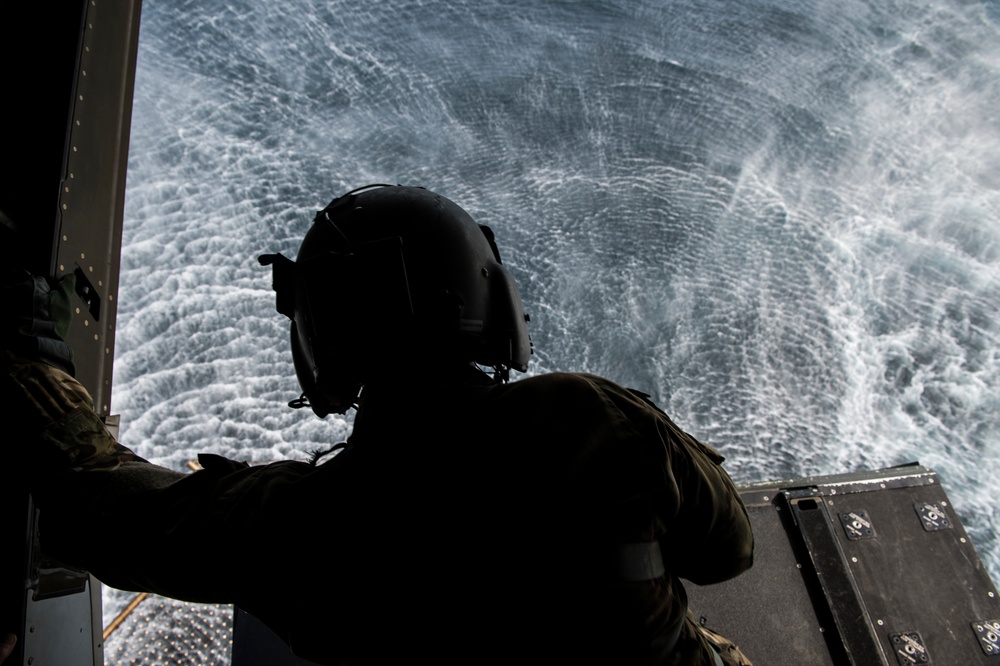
column 781, row 219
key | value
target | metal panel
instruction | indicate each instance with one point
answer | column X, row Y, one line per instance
column 919, row 576
column 887, row 575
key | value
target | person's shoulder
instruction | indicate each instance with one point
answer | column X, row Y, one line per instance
column 584, row 383
column 563, row 381
column 563, row 387
column 577, row 396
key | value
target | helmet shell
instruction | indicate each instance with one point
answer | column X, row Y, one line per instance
column 392, row 278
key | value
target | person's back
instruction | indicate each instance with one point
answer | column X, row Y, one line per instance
column 515, row 520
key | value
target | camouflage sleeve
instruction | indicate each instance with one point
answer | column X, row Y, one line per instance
column 60, row 431
column 699, row 518
column 36, row 317
column 711, row 539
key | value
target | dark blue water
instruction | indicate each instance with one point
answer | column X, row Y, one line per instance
column 779, row 218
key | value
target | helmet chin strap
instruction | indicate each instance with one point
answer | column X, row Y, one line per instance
column 299, row 402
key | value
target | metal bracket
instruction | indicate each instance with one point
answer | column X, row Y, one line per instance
column 857, row 525
column 932, row 516
column 909, row 648
column 988, row 633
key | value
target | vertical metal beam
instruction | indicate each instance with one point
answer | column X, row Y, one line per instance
column 92, row 186
column 839, row 588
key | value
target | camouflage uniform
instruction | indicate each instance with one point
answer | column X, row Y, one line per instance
column 462, row 522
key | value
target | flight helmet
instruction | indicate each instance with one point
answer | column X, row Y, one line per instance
column 392, row 279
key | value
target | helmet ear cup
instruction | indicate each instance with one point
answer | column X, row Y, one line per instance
column 507, row 339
